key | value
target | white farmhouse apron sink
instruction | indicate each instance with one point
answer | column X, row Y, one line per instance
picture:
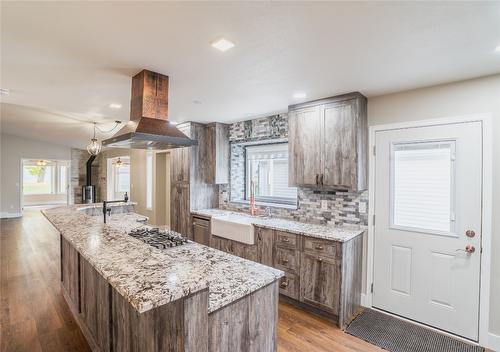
column 233, row 227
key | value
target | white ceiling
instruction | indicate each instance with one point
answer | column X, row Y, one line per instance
column 65, row 62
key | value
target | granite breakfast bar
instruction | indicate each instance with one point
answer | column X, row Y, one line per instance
column 129, row 296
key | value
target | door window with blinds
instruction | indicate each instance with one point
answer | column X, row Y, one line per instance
column 422, row 187
column 267, row 174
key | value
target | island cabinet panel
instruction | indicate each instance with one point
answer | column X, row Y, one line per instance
column 247, row 325
column 95, row 305
column 328, row 143
column 320, row 280
column 177, row 326
column 70, row 266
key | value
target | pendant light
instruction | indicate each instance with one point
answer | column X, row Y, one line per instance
column 41, row 162
column 94, row 147
column 118, row 163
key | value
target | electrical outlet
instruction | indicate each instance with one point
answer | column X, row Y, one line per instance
column 362, row 207
column 324, row 205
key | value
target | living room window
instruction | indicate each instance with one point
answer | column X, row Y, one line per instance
column 267, row 174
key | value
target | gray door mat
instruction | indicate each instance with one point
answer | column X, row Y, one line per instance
column 397, row 335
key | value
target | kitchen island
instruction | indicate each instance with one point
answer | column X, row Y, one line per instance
column 129, row 296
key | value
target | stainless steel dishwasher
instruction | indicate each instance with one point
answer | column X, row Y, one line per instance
column 201, row 230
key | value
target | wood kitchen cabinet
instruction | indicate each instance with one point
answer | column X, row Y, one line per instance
column 323, row 275
column 320, row 279
column 189, row 189
column 304, row 146
column 328, row 143
column 218, row 153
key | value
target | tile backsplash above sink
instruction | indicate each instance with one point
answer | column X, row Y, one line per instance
column 342, row 208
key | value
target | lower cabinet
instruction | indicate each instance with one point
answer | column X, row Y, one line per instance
column 319, row 273
column 320, row 279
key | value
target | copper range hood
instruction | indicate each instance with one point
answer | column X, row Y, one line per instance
column 149, row 127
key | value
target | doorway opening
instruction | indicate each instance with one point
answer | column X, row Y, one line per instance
column 118, row 177
column 45, row 182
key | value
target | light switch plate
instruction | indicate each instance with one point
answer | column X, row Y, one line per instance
column 324, row 205
column 362, row 207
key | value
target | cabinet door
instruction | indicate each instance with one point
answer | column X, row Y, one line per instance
column 265, row 239
column 320, row 282
column 201, row 231
column 179, row 165
column 340, row 152
column 179, row 211
column 70, row 272
column 304, row 146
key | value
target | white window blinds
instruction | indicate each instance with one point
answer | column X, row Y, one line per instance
column 422, row 186
column 267, row 170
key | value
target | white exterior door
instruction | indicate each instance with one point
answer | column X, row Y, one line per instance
column 427, row 245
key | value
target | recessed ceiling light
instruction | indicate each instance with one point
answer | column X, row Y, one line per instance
column 299, row 95
column 115, row 106
column 497, row 49
column 222, row 44
column 4, row 91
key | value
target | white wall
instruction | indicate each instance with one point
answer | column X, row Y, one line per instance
column 13, row 149
column 480, row 95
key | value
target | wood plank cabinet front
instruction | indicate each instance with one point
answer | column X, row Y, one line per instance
column 327, row 143
column 320, row 280
column 70, row 275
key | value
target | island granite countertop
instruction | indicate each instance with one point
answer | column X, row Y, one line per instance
column 148, row 277
column 327, row 232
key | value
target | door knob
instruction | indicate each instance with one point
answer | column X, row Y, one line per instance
column 470, row 233
column 470, row 248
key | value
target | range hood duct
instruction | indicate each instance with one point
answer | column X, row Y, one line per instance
column 149, row 127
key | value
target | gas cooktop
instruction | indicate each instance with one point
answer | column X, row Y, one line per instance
column 160, row 239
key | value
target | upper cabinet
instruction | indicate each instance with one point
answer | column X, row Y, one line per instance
column 218, row 153
column 328, row 143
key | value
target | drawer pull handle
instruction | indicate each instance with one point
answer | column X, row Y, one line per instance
column 285, row 239
column 320, row 247
column 284, row 284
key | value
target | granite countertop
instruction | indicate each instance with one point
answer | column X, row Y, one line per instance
column 328, row 232
column 149, row 277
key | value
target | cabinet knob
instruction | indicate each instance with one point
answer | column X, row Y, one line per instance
column 284, row 283
column 285, row 261
column 285, row 239
column 320, row 247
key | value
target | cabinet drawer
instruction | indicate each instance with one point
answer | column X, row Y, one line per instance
column 286, row 259
column 289, row 285
column 322, row 247
column 286, row 240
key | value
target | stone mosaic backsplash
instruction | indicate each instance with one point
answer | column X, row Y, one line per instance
column 339, row 207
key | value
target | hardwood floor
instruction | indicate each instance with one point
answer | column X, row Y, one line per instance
column 34, row 316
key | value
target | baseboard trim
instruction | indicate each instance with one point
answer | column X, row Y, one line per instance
column 364, row 302
column 493, row 342
column 6, row 215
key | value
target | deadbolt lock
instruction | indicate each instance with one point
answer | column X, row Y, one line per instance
column 470, row 233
